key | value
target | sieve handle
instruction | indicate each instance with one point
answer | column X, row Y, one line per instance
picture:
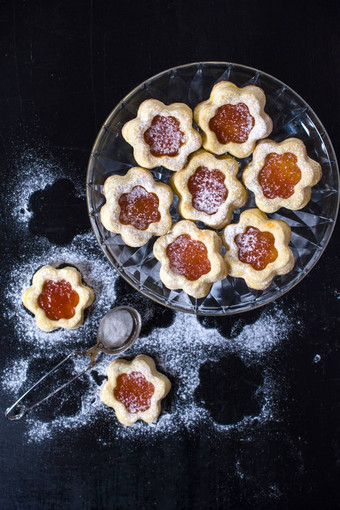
column 17, row 410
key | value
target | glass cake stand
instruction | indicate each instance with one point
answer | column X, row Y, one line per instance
column 311, row 227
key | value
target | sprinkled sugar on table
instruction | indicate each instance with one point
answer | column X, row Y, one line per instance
column 252, row 419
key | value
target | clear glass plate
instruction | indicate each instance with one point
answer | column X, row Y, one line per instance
column 311, row 226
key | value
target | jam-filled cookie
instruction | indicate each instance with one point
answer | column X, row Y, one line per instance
column 134, row 389
column 137, row 207
column 58, row 298
column 208, row 189
column 281, row 175
column 162, row 134
column 257, row 248
column 190, row 259
column 233, row 119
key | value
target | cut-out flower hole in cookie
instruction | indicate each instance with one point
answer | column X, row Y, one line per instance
column 230, row 326
column 61, row 407
column 58, row 213
column 229, row 390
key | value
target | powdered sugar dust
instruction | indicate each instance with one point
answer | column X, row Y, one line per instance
column 179, row 350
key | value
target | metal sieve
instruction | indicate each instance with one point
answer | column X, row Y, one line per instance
column 117, row 331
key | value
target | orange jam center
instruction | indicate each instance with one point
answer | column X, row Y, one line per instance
column 139, row 208
column 279, row 175
column 188, row 258
column 232, row 123
column 207, row 189
column 164, row 136
column 58, row 300
column 256, row 248
column 134, row 391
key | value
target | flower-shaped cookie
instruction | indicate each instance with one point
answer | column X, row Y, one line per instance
column 208, row 189
column 233, row 119
column 257, row 248
column 137, row 207
column 190, row 259
column 134, row 389
column 58, row 298
column 162, row 134
column 281, row 175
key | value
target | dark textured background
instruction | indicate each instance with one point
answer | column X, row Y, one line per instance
column 64, row 65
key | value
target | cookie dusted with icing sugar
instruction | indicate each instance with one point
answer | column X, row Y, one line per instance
column 57, row 298
column 233, row 119
column 162, row 135
column 208, row 189
column 281, row 175
column 190, row 259
column 134, row 390
column 257, row 248
column 137, row 207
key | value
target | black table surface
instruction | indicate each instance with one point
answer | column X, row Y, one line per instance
column 64, row 66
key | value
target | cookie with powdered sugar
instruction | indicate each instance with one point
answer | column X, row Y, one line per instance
column 135, row 389
column 257, row 248
column 162, row 135
column 281, row 175
column 233, row 119
column 137, row 207
column 190, row 259
column 208, row 189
